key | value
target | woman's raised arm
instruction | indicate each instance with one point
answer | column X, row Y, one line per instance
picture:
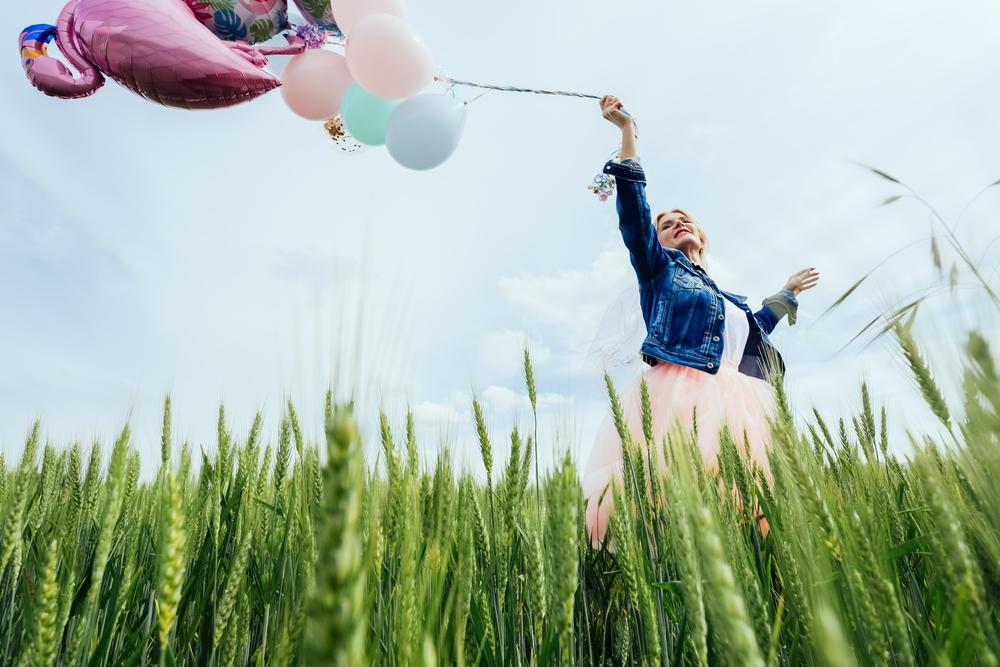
column 634, row 219
column 612, row 110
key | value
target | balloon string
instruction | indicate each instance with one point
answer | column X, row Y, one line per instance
column 515, row 89
column 485, row 92
column 452, row 82
column 603, row 185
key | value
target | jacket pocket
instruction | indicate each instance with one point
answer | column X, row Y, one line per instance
column 689, row 302
column 684, row 305
column 683, row 280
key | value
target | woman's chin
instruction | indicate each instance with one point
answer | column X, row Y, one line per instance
column 686, row 245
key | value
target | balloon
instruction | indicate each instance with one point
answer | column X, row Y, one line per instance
column 247, row 21
column 387, row 57
column 314, row 82
column 365, row 115
column 424, row 131
column 156, row 49
column 341, row 138
column 349, row 12
column 318, row 12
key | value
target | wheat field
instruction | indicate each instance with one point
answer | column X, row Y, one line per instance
column 297, row 553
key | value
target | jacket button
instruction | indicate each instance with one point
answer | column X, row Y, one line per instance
column 722, row 316
column 710, row 365
column 715, row 338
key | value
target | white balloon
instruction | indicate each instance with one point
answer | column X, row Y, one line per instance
column 424, row 130
column 348, row 12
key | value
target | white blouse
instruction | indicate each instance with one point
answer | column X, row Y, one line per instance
column 737, row 330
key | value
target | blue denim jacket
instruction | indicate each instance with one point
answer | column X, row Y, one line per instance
column 682, row 306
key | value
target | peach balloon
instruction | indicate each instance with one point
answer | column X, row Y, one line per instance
column 348, row 12
column 388, row 58
column 313, row 83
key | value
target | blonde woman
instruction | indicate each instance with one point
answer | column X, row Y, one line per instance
column 707, row 350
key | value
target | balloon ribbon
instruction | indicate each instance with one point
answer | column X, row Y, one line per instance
column 603, row 185
column 514, row 89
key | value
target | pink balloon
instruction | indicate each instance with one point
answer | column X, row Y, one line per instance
column 249, row 21
column 155, row 48
column 388, row 58
column 349, row 12
column 317, row 12
column 314, row 82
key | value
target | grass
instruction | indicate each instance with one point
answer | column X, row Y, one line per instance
column 296, row 553
column 944, row 283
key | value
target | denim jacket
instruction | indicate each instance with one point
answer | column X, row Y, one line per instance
column 682, row 306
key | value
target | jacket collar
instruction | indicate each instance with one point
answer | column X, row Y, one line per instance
column 734, row 296
column 682, row 258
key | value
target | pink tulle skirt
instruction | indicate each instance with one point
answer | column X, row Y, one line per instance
column 727, row 397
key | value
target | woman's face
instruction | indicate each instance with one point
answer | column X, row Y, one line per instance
column 676, row 230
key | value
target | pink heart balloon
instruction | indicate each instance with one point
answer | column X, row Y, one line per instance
column 155, row 48
column 388, row 58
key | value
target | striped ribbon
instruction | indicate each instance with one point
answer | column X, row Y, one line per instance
column 603, row 185
column 514, row 89
column 517, row 89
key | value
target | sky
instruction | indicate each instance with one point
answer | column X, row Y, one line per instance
column 236, row 256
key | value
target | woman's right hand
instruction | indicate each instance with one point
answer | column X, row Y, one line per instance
column 611, row 108
column 802, row 280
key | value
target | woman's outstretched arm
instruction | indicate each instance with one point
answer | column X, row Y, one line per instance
column 785, row 302
column 634, row 219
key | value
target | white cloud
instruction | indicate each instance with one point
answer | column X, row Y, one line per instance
column 567, row 298
column 216, row 254
column 568, row 305
column 503, row 350
column 430, row 414
column 503, row 400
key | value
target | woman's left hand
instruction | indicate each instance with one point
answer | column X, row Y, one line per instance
column 802, row 280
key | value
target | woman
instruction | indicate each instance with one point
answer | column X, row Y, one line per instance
column 707, row 350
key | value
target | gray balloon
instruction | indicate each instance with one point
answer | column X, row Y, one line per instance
column 424, row 130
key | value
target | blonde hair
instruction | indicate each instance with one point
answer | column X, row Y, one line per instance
column 701, row 232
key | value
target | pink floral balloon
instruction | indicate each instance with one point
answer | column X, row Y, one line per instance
column 349, row 12
column 314, row 82
column 155, row 48
column 388, row 58
column 317, row 12
column 249, row 21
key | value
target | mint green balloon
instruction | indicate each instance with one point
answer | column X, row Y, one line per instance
column 365, row 116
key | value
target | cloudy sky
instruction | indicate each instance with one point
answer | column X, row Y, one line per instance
column 236, row 256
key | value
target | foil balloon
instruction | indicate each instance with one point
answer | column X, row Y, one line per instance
column 155, row 48
column 249, row 21
column 341, row 138
column 317, row 11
